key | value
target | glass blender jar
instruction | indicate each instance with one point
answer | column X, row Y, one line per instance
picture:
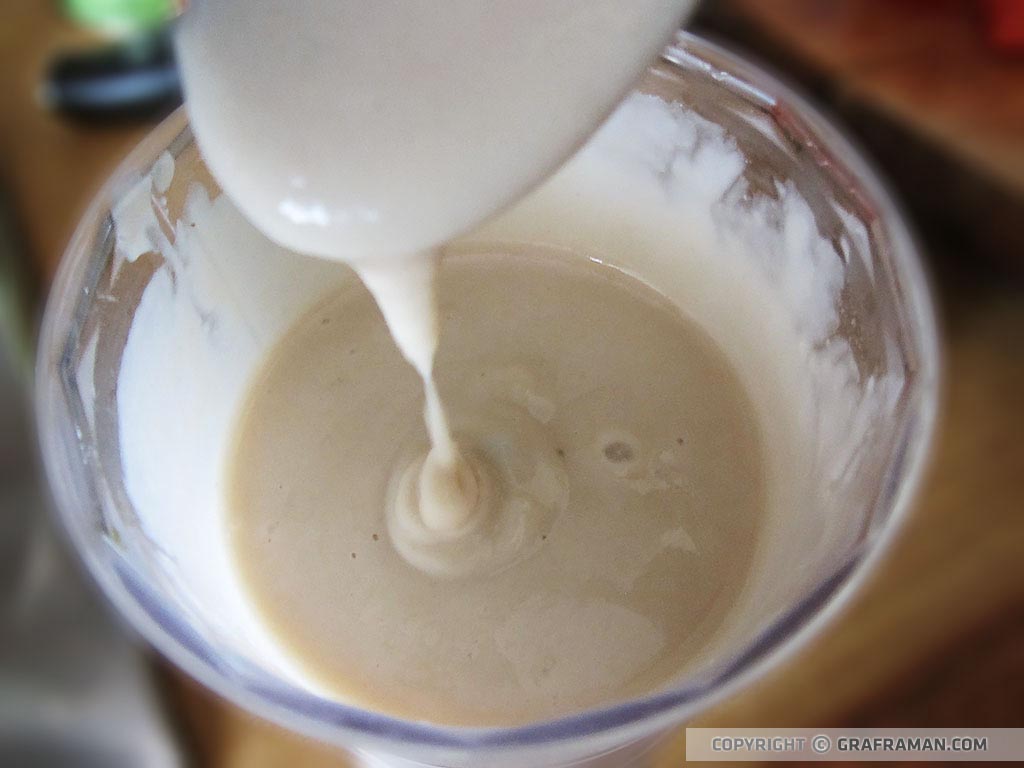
column 138, row 542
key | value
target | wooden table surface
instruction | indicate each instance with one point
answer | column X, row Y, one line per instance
column 936, row 638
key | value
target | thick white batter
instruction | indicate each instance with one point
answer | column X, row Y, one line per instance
column 372, row 133
column 359, row 130
column 620, row 473
column 659, row 192
column 371, row 152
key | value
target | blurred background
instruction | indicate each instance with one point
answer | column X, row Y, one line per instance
column 933, row 90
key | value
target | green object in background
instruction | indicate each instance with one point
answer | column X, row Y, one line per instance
column 120, row 15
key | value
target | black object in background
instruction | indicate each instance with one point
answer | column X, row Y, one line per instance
column 136, row 78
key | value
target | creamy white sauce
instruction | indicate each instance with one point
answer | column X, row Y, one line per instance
column 358, row 131
column 373, row 133
column 652, row 193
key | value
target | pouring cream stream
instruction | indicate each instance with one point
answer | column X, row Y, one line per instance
column 374, row 132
